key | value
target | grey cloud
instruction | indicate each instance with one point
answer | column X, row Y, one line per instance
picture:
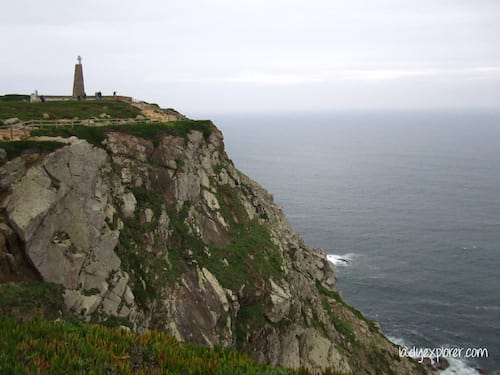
column 319, row 53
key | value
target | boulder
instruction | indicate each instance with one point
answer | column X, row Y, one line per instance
column 81, row 304
column 211, row 200
column 30, row 202
column 280, row 299
column 442, row 364
column 128, row 204
column 147, row 215
column 483, row 371
column 12, row 121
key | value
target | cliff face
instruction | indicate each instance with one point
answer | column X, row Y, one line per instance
column 164, row 232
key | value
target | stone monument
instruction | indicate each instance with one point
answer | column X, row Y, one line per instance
column 78, row 87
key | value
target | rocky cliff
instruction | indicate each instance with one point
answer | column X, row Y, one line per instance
column 158, row 229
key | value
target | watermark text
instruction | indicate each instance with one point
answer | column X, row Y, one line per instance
column 436, row 353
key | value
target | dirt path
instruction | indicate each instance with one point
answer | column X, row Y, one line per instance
column 155, row 113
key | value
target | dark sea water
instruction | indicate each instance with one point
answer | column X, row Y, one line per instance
column 411, row 199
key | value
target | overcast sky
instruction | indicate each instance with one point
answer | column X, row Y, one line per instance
column 202, row 56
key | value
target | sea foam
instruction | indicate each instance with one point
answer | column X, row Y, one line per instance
column 341, row 260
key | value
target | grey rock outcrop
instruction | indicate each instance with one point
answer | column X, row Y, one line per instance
column 58, row 211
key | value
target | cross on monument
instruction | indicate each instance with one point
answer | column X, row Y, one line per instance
column 79, row 58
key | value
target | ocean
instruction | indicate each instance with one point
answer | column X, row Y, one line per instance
column 407, row 204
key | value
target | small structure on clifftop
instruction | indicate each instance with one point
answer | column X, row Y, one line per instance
column 78, row 87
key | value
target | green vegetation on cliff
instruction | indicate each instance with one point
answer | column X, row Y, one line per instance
column 247, row 260
column 336, row 296
column 97, row 134
column 54, row 347
column 17, row 148
column 251, row 254
column 32, row 342
column 28, row 299
column 144, row 267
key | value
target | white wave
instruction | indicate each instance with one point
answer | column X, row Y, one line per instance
column 397, row 340
column 341, row 260
column 458, row 367
column 488, row 308
column 473, row 247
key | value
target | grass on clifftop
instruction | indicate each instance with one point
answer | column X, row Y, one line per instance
column 45, row 347
column 97, row 134
column 17, row 148
column 67, row 109
column 14, row 98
